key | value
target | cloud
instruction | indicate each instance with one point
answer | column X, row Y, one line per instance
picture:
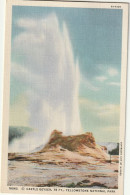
column 88, row 84
column 103, row 111
column 27, row 23
column 108, row 111
column 100, row 119
column 112, row 72
column 117, row 84
column 101, row 78
column 18, row 113
column 109, row 133
column 107, row 114
column 110, row 129
column 51, row 75
column 108, row 69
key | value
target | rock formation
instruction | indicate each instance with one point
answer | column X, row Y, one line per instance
column 84, row 144
column 73, row 148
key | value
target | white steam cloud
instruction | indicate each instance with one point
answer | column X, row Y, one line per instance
column 52, row 76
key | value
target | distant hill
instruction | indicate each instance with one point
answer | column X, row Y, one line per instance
column 16, row 132
column 109, row 145
column 115, row 151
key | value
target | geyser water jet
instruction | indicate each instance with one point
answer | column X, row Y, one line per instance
column 51, row 76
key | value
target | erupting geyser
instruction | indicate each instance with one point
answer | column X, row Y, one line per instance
column 51, row 75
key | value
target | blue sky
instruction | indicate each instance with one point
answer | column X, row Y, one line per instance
column 95, row 35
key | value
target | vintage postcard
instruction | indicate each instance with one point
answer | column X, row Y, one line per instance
column 64, row 97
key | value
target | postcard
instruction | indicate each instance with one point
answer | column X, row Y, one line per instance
column 64, row 97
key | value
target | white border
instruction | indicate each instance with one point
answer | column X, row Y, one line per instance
column 127, row 163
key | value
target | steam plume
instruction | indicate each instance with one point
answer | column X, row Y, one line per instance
column 51, row 75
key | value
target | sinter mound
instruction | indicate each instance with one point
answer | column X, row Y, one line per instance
column 72, row 143
column 84, row 144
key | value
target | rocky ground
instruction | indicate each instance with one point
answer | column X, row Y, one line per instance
column 63, row 171
column 73, row 161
